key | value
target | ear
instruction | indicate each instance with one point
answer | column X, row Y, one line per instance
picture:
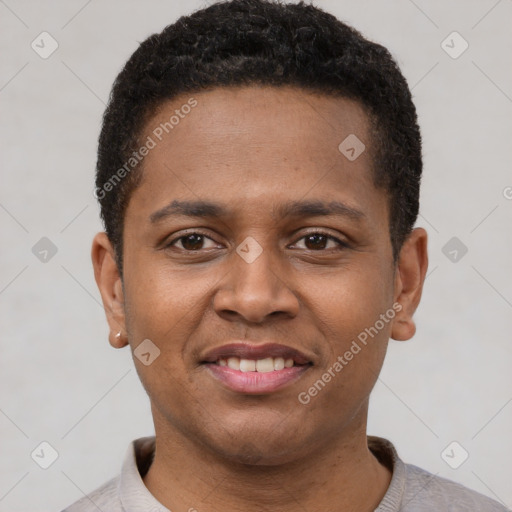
column 409, row 279
column 110, row 285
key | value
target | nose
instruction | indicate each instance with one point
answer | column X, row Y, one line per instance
column 254, row 290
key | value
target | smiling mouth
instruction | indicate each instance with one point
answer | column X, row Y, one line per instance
column 266, row 365
column 254, row 377
column 256, row 369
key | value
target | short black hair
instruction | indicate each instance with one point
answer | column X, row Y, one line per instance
column 262, row 42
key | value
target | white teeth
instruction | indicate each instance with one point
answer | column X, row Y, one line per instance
column 268, row 364
column 265, row 365
column 247, row 365
column 234, row 363
column 278, row 363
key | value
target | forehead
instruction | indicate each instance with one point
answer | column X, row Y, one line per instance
column 251, row 119
column 254, row 146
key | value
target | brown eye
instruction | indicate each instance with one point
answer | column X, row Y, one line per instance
column 316, row 241
column 319, row 241
column 193, row 241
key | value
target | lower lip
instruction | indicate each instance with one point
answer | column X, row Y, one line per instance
column 256, row 382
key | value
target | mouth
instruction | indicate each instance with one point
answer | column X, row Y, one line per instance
column 256, row 369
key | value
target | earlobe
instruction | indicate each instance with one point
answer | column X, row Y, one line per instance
column 118, row 340
column 403, row 329
column 409, row 280
column 110, row 286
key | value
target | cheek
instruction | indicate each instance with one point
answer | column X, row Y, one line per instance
column 350, row 311
column 357, row 343
column 166, row 308
column 160, row 301
column 346, row 302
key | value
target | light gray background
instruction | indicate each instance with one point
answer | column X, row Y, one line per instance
column 61, row 382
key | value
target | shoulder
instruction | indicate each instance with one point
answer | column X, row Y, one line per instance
column 413, row 489
column 103, row 498
column 425, row 491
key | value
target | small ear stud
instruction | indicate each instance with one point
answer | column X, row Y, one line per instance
column 118, row 335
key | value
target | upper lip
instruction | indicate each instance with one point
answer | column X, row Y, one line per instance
column 251, row 351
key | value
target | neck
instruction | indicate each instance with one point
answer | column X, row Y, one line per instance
column 340, row 474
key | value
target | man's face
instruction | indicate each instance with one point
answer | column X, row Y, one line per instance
column 195, row 282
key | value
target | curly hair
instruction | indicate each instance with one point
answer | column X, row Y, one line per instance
column 263, row 42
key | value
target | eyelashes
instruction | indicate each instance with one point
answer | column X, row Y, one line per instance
column 199, row 236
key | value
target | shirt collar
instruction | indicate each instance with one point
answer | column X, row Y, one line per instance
column 388, row 456
column 135, row 496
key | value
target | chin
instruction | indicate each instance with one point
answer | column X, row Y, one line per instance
column 265, row 449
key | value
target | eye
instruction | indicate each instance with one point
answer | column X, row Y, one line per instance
column 193, row 241
column 314, row 241
column 319, row 240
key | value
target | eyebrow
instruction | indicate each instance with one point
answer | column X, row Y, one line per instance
column 297, row 209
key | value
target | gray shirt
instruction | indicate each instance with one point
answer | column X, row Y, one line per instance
column 411, row 489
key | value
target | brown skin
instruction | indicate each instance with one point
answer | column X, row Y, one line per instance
column 252, row 149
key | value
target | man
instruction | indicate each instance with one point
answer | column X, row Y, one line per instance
column 258, row 175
